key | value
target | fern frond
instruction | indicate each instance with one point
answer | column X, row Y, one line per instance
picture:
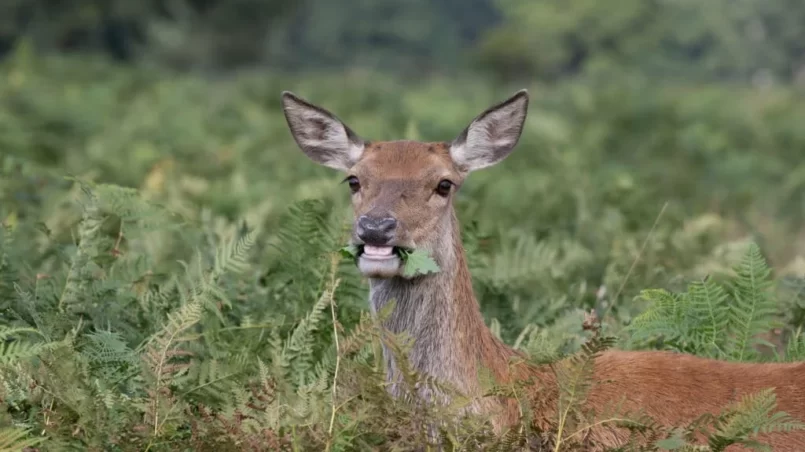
column 662, row 318
column 574, row 378
column 7, row 331
column 298, row 348
column 16, row 439
column 795, row 349
column 130, row 206
column 708, row 306
column 305, row 227
column 751, row 415
column 753, row 310
column 707, row 319
column 108, row 347
column 80, row 275
column 233, row 254
column 16, row 347
column 159, row 351
column 158, row 356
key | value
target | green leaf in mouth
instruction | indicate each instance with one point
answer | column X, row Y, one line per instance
column 418, row 262
column 350, row 251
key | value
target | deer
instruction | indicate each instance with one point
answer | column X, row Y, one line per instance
column 402, row 195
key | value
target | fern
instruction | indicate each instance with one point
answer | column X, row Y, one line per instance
column 753, row 309
column 129, row 206
column 795, row 349
column 305, row 238
column 751, row 415
column 297, row 350
column 160, row 358
column 12, row 351
column 737, row 424
column 126, row 326
column 574, row 378
column 708, row 303
column 80, row 276
column 7, row 261
column 711, row 319
column 15, row 439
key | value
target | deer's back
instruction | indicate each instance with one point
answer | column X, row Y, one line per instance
column 675, row 389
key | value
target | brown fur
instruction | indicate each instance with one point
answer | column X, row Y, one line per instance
column 452, row 341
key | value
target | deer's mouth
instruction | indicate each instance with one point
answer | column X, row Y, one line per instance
column 379, row 252
column 379, row 261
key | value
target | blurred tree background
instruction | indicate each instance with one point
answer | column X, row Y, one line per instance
column 743, row 40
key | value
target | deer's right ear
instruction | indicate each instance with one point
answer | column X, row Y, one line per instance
column 320, row 134
column 492, row 135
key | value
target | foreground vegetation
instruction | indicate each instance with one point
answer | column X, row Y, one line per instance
column 170, row 276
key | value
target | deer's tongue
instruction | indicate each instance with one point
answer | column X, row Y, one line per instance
column 377, row 251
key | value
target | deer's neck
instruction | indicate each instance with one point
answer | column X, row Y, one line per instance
column 441, row 314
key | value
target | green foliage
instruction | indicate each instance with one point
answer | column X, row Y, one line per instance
column 418, row 262
column 757, row 40
column 16, row 439
column 687, row 38
column 712, row 320
column 170, row 275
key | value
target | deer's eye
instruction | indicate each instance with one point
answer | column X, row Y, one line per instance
column 443, row 189
column 354, row 184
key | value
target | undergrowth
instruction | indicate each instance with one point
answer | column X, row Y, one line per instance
column 184, row 362
column 170, row 273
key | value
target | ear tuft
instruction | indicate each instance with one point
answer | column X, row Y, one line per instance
column 492, row 135
column 320, row 134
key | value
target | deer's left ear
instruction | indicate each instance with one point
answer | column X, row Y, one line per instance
column 320, row 134
column 492, row 135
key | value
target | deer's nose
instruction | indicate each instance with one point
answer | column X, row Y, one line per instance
column 376, row 230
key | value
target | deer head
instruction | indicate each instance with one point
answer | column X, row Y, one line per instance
column 402, row 191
